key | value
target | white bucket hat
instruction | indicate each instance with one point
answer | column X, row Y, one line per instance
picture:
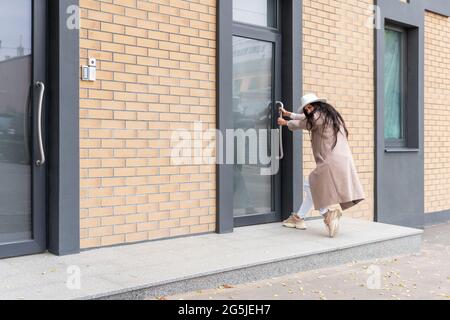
column 308, row 99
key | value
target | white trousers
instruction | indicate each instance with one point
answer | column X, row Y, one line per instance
column 308, row 204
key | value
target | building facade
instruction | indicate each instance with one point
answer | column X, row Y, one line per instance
column 93, row 92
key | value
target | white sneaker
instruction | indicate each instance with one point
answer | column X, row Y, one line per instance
column 294, row 222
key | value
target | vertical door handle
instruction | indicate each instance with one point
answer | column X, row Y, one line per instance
column 281, row 104
column 41, row 87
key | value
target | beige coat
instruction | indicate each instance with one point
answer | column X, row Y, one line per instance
column 335, row 180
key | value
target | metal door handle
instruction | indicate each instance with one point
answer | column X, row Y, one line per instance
column 281, row 131
column 41, row 87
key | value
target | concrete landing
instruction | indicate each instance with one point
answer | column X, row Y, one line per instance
column 186, row 264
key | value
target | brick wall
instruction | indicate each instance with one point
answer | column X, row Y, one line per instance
column 159, row 56
column 338, row 64
column 437, row 113
column 154, row 57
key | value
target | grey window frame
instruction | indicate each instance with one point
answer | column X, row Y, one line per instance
column 403, row 141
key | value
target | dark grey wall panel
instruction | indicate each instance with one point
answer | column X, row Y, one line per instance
column 438, row 6
column 292, row 77
column 64, row 177
column 399, row 175
column 399, row 197
column 224, row 183
column 437, row 217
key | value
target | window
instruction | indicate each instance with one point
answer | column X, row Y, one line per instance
column 258, row 12
column 395, row 87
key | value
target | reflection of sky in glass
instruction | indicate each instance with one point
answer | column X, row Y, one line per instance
column 254, row 12
column 15, row 27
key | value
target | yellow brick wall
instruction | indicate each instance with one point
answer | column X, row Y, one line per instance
column 154, row 57
column 338, row 65
column 437, row 113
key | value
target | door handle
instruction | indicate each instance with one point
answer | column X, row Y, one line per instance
column 281, row 131
column 41, row 87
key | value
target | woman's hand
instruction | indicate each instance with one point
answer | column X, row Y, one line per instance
column 282, row 122
column 284, row 112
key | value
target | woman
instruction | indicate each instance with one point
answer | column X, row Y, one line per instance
column 334, row 185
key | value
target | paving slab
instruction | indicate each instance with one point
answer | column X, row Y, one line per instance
column 182, row 264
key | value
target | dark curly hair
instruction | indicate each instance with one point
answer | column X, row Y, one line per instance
column 331, row 118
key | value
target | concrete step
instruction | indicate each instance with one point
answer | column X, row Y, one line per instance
column 186, row 264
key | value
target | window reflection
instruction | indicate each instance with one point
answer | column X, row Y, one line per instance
column 393, row 91
column 252, row 98
column 15, row 83
column 257, row 12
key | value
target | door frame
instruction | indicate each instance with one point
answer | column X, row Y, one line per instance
column 38, row 173
column 62, row 197
column 290, row 94
column 273, row 36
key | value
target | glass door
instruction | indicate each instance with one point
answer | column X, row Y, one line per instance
column 256, row 87
column 22, row 127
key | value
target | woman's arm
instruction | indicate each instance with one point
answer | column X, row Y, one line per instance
column 297, row 116
column 298, row 122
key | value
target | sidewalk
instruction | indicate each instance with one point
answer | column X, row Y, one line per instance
column 422, row 276
column 186, row 264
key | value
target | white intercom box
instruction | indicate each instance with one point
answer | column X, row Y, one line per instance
column 89, row 73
